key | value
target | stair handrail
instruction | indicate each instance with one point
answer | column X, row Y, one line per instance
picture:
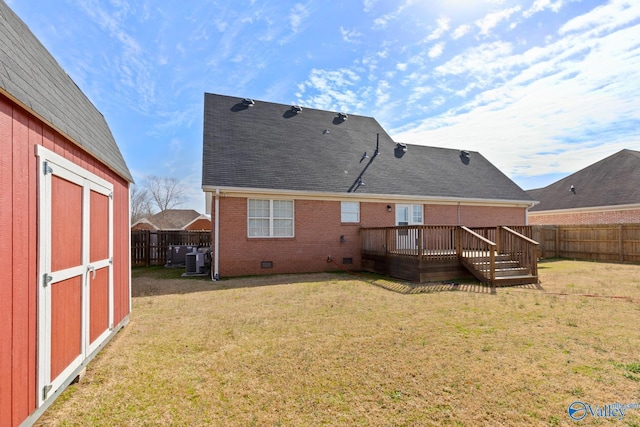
column 523, row 248
column 486, row 248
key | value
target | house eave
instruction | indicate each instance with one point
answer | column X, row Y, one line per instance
column 362, row 197
column 588, row 209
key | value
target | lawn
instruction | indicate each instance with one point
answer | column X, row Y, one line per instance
column 361, row 350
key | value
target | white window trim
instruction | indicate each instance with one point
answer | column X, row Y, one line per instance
column 342, row 212
column 271, row 219
column 411, row 207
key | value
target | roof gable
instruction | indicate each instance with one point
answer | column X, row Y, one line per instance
column 33, row 78
column 271, row 146
column 611, row 181
column 173, row 219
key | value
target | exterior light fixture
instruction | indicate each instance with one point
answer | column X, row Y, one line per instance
column 388, row 208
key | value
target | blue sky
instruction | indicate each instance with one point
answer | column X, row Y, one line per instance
column 542, row 88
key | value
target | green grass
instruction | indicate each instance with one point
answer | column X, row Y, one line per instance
column 337, row 349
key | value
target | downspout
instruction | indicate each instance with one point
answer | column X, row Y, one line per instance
column 215, row 276
column 459, row 214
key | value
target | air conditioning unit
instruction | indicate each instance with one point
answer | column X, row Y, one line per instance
column 194, row 262
column 176, row 255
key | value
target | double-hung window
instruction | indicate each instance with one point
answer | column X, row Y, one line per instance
column 270, row 218
column 349, row 211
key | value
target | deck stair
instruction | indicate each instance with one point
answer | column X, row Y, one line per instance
column 508, row 270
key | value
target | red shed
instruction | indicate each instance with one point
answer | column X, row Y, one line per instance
column 64, row 227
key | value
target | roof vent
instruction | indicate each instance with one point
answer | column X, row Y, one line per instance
column 248, row 102
column 401, row 146
column 573, row 189
column 343, row 116
column 296, row 108
column 464, row 153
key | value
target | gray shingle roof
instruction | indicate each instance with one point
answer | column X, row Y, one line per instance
column 268, row 146
column 173, row 219
column 31, row 76
column 612, row 181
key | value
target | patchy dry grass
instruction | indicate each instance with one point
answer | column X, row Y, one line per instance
column 334, row 349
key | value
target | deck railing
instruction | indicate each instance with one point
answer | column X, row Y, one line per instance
column 519, row 247
column 476, row 248
column 473, row 246
column 434, row 242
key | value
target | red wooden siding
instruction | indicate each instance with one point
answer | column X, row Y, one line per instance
column 66, row 224
column 6, row 263
column 99, row 231
column 66, row 319
column 99, row 304
column 20, row 132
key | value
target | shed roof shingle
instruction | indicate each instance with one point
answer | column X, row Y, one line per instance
column 31, row 76
column 269, row 146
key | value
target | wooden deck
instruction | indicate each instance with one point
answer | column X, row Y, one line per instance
column 497, row 256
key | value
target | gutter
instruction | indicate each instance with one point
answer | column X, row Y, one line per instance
column 215, row 275
column 364, row 197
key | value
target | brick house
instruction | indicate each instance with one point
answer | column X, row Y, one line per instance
column 606, row 192
column 64, row 227
column 290, row 186
column 174, row 219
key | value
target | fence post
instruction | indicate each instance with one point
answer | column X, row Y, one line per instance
column 147, row 250
column 620, row 243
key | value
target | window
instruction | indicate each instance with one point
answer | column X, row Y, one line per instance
column 270, row 218
column 349, row 211
column 409, row 214
column 417, row 214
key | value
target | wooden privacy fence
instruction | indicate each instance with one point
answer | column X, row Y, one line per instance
column 149, row 247
column 597, row 242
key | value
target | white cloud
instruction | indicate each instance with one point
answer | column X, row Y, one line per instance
column 490, row 21
column 401, row 66
column 297, row 15
column 541, row 5
column 350, row 36
column 436, row 50
column 442, row 27
column 549, row 109
column 461, row 31
column 336, row 90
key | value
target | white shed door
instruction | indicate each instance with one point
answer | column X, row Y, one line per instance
column 75, row 293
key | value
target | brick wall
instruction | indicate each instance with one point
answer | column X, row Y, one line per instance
column 200, row 225
column 626, row 216
column 473, row 216
column 318, row 233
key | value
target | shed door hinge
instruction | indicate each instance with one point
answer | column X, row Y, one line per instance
column 111, row 196
column 46, row 279
column 45, row 391
column 46, row 168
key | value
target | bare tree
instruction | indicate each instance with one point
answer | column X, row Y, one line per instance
column 164, row 192
column 140, row 203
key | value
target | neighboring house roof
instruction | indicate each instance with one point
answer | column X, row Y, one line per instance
column 270, row 146
column 30, row 76
column 612, row 181
column 172, row 219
